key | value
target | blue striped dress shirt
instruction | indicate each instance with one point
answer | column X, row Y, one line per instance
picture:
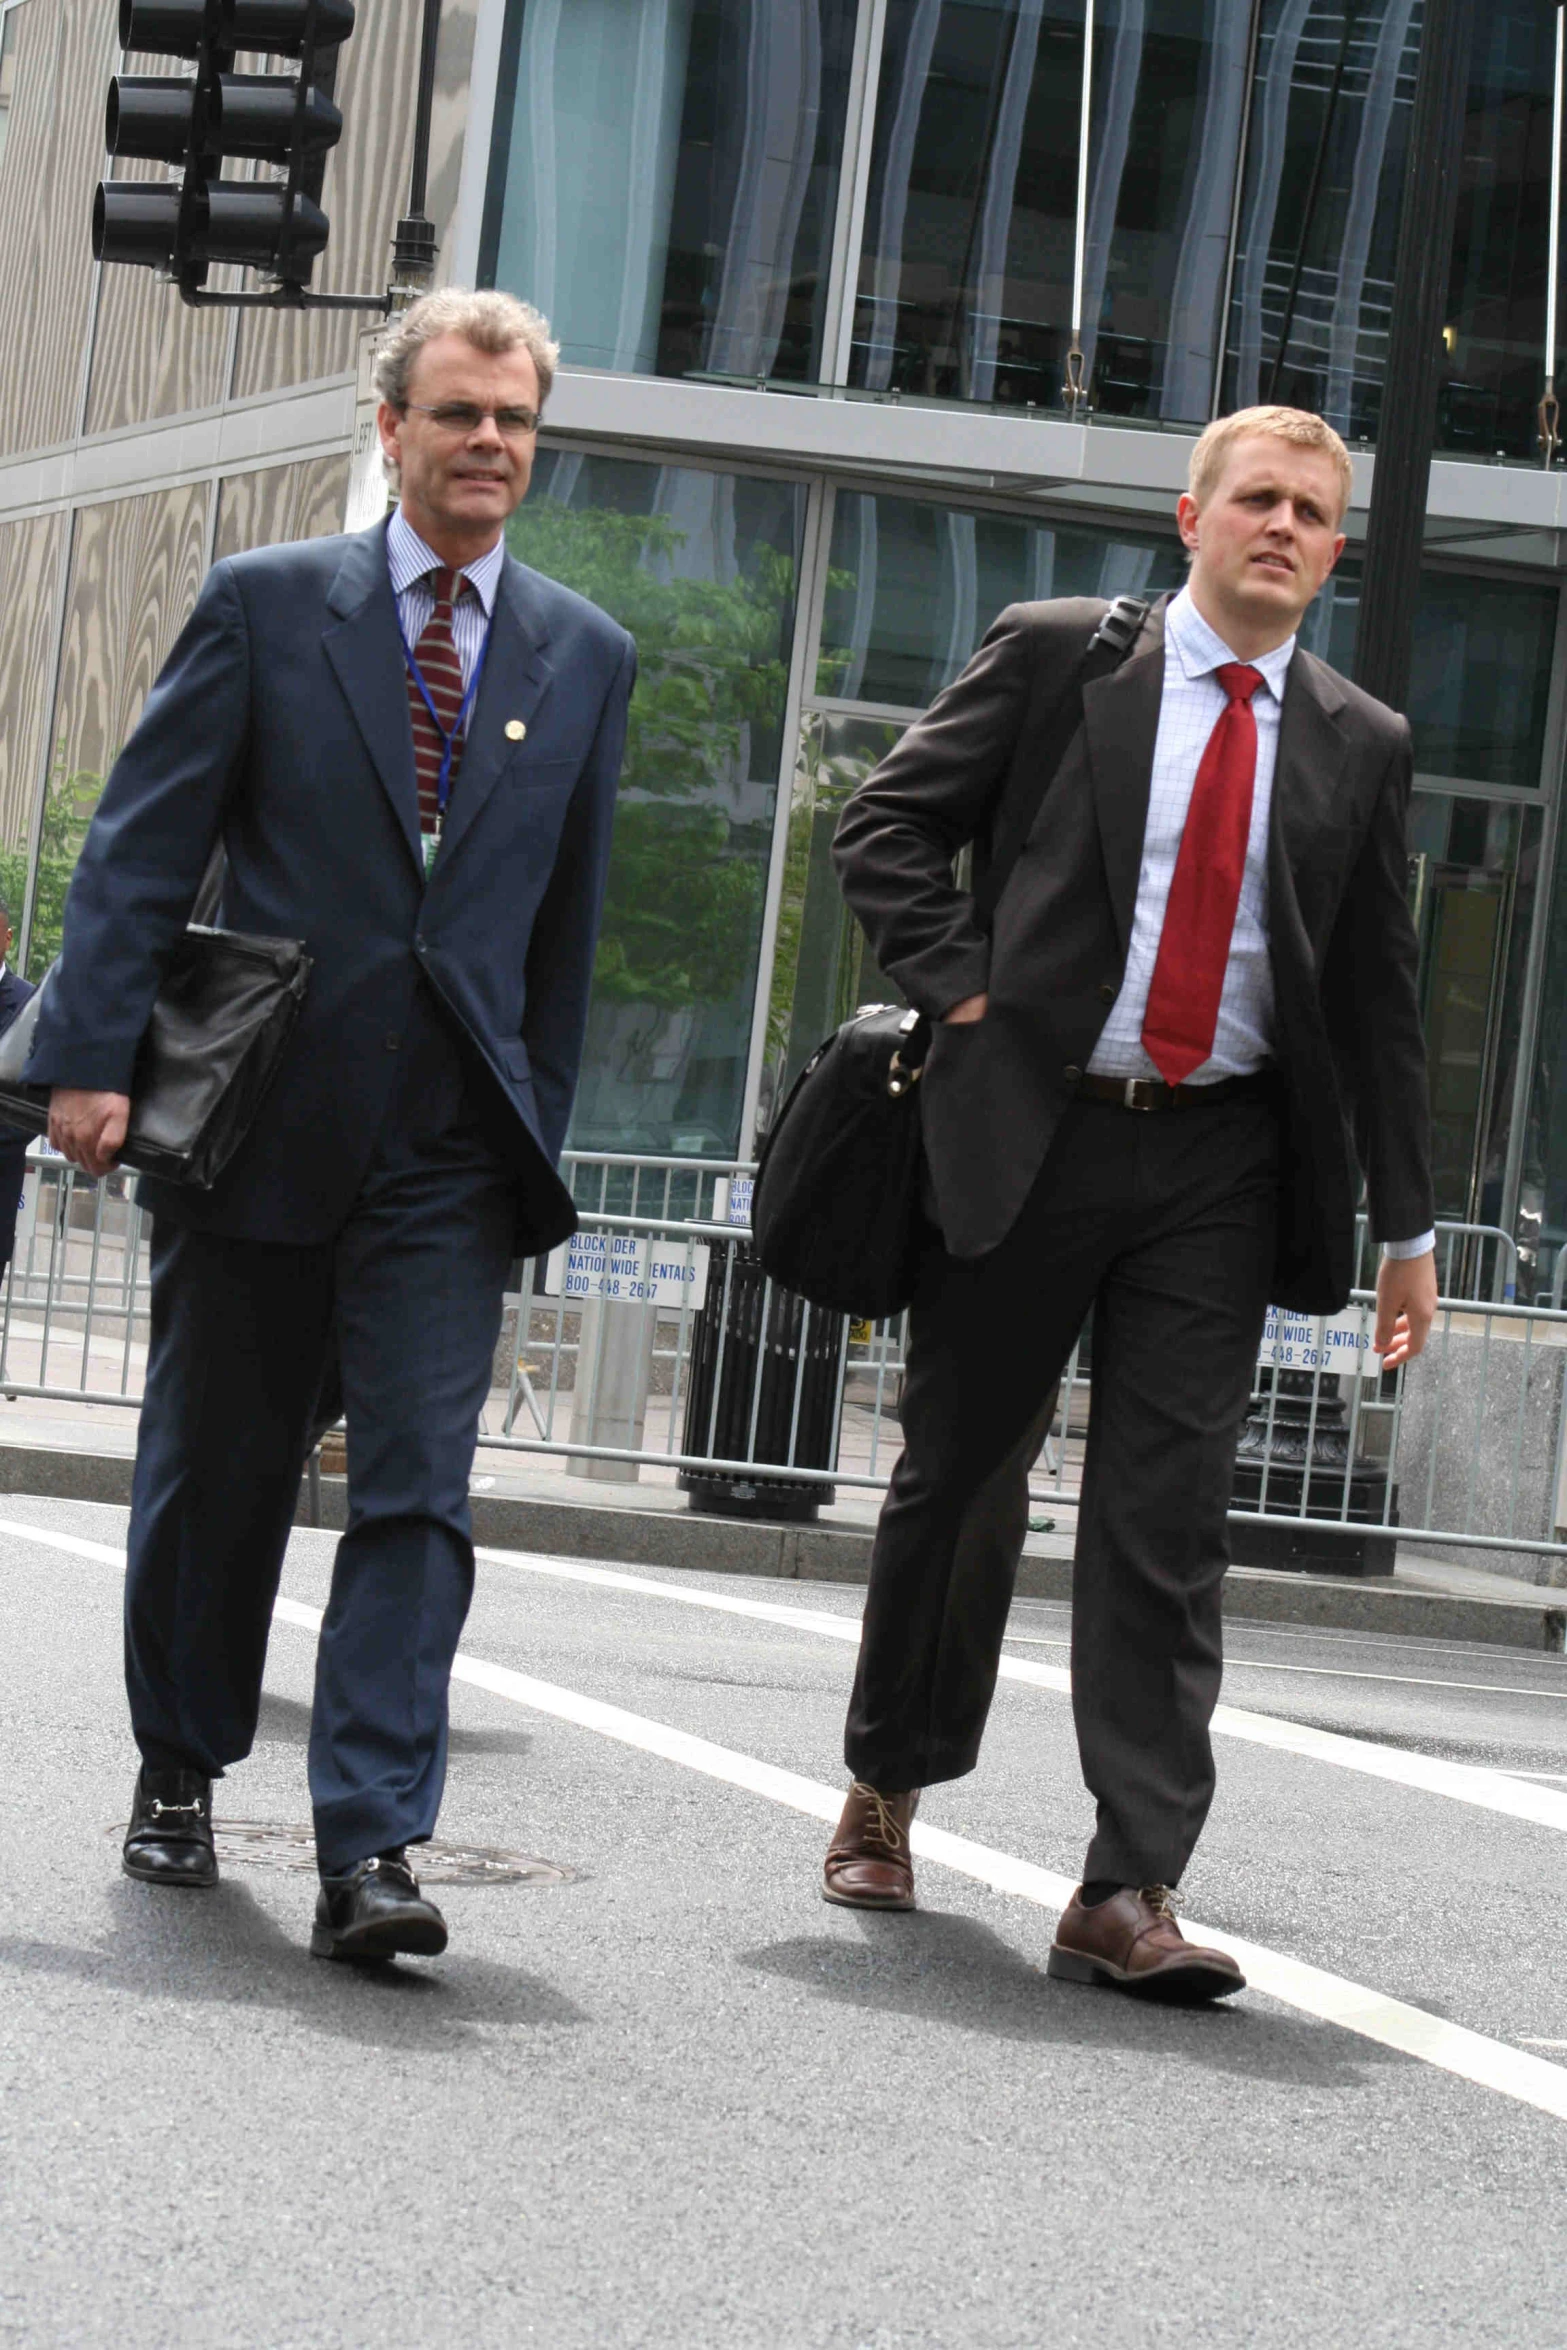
column 410, row 563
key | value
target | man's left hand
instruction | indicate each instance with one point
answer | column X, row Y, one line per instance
column 1406, row 1307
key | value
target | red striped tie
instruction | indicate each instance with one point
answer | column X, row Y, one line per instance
column 436, row 654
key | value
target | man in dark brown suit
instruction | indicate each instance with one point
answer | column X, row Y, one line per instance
column 1195, row 1007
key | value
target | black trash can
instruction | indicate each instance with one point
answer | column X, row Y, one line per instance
column 750, row 1333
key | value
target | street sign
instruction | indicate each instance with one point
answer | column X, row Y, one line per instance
column 1335, row 1343
column 368, row 492
column 629, row 1268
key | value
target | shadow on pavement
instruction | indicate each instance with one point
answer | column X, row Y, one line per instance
column 945, row 1969
column 285, row 1721
column 223, row 1948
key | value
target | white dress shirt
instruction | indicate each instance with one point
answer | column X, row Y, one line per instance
column 1191, row 705
column 410, row 562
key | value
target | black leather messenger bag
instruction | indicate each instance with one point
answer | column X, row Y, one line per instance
column 836, row 1212
column 219, row 1024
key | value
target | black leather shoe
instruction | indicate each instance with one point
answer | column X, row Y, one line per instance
column 169, row 1840
column 376, row 1912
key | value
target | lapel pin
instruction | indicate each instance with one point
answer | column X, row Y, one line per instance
column 515, row 730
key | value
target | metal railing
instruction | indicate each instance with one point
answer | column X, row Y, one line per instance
column 1559, row 1277
column 74, row 1314
column 1472, row 1260
column 654, row 1347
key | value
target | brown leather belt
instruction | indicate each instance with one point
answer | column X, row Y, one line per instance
column 1151, row 1093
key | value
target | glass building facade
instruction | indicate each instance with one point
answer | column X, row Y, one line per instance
column 887, row 206
column 876, row 315
column 700, row 566
column 669, row 174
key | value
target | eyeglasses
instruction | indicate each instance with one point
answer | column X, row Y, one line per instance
column 461, row 416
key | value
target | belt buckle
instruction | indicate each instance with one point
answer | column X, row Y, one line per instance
column 1134, row 1089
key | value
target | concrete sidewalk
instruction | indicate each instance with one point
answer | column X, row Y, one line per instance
column 523, row 1502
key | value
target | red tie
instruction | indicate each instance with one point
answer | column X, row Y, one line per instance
column 436, row 654
column 1194, row 944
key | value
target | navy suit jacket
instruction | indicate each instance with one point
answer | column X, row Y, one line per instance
column 280, row 725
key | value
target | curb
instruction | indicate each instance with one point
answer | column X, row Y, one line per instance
column 828, row 1554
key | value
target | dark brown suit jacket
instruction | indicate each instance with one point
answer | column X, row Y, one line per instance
column 1341, row 941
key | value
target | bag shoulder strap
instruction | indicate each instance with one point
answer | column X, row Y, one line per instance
column 1106, row 649
column 209, row 897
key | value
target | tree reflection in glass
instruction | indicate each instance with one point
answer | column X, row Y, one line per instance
column 700, row 567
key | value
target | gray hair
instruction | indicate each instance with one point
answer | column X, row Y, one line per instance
column 490, row 321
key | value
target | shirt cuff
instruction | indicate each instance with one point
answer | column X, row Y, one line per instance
column 1410, row 1248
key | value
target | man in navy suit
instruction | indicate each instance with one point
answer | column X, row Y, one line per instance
column 409, row 746
column 14, row 992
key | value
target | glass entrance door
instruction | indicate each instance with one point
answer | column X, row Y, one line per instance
column 1462, row 938
column 1472, row 870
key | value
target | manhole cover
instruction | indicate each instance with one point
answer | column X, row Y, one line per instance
column 266, row 1844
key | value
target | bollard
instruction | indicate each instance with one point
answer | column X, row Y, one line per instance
column 613, row 1376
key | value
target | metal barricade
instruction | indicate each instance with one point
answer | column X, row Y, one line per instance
column 1472, row 1260
column 594, row 1375
column 73, row 1318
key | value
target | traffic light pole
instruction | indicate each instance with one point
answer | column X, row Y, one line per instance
column 1299, row 1438
column 413, row 245
column 1384, row 638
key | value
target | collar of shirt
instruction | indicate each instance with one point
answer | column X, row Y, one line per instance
column 1200, row 649
column 408, row 559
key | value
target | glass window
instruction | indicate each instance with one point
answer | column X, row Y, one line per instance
column 666, row 179
column 1481, row 678
column 701, row 568
column 1495, row 334
column 913, row 587
column 823, row 967
column 1474, row 865
column 1313, row 277
column 967, row 269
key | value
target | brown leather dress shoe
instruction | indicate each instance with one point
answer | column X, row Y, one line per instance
column 869, row 1864
column 1132, row 1943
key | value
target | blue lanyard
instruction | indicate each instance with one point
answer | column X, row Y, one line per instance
column 443, row 782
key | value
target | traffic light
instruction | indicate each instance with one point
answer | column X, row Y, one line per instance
column 183, row 226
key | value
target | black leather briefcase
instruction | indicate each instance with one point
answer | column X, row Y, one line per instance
column 838, row 1208
column 219, row 1025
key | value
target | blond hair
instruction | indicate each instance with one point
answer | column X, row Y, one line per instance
column 1211, row 451
column 490, row 321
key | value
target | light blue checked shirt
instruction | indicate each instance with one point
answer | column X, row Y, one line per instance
column 410, row 562
column 1192, row 703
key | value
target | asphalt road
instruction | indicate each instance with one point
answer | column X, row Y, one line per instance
column 673, row 2099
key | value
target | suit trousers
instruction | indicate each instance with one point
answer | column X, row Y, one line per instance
column 13, row 1174
column 411, row 1288
column 1164, row 1223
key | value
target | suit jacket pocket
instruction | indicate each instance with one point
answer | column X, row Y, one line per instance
column 943, row 1031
